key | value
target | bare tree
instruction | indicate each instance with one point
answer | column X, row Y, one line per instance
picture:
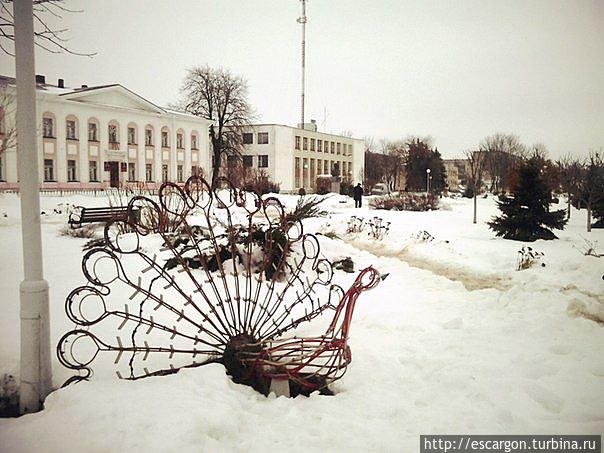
column 503, row 151
column 45, row 36
column 570, row 170
column 396, row 153
column 219, row 96
column 8, row 107
column 474, row 176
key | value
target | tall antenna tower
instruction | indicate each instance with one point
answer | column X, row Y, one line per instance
column 302, row 20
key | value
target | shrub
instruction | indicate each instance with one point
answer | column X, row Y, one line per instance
column 261, row 184
column 306, row 207
column 527, row 257
column 355, row 224
column 321, row 190
column 407, row 201
column 83, row 232
column 346, row 189
column 345, row 264
column 9, row 396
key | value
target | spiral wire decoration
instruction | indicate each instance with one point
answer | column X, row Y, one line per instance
column 209, row 274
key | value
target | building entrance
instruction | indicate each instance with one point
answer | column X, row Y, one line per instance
column 114, row 174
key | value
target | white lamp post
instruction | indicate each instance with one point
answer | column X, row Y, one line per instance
column 35, row 368
column 428, row 177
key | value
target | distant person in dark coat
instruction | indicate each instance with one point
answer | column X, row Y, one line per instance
column 357, row 194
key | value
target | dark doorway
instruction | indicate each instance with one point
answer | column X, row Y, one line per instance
column 114, row 174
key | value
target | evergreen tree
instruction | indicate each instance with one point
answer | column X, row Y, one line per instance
column 421, row 157
column 525, row 215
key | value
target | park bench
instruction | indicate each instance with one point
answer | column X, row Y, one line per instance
column 82, row 215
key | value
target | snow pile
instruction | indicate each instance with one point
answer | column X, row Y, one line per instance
column 454, row 341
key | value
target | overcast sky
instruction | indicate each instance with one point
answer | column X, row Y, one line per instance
column 455, row 70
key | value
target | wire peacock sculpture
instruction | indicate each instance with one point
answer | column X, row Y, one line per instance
column 204, row 274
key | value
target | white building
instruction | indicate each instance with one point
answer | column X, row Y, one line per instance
column 102, row 136
column 294, row 157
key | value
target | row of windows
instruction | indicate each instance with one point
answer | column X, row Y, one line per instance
column 324, row 167
column 261, row 139
column 325, row 146
column 48, row 131
column 93, row 171
column 327, row 166
column 248, row 161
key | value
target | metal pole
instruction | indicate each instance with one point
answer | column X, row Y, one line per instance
column 427, row 180
column 302, row 20
column 36, row 374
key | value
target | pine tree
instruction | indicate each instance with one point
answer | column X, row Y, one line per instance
column 525, row 216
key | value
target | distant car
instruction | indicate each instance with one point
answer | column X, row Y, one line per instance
column 379, row 189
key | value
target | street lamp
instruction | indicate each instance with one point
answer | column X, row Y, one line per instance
column 428, row 178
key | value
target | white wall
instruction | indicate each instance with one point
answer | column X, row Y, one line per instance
column 61, row 108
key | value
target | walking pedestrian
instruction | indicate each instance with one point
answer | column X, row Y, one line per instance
column 357, row 194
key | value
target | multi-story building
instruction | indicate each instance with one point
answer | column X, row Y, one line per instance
column 457, row 170
column 295, row 157
column 104, row 136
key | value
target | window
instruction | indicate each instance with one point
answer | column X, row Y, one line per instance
column 71, row 129
column 232, row 160
column 297, row 144
column 180, row 142
column 148, row 137
column 335, row 169
column 305, row 143
column 326, row 146
column 131, row 171
column 248, row 138
column 262, row 138
column 305, row 172
column 164, row 173
column 263, row 161
column 149, row 172
column 179, row 174
column 2, row 122
column 319, row 145
column 339, row 148
column 194, row 170
column 93, row 134
column 71, row 171
column 49, row 170
column 164, row 139
column 319, row 167
column 48, row 127
column 297, row 171
column 112, row 131
column 325, row 166
column 131, row 136
column 248, row 161
column 193, row 141
column 312, row 144
column 93, row 173
column 1, row 168
column 333, row 147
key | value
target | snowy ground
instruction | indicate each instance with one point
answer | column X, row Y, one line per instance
column 454, row 341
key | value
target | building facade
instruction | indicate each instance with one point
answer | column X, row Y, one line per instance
column 104, row 136
column 294, row 157
column 457, row 171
